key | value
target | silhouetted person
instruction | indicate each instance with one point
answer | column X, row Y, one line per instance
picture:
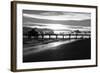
column 33, row 33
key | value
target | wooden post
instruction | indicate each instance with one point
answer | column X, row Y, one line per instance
column 82, row 36
column 69, row 36
column 56, row 36
column 89, row 36
column 49, row 36
column 76, row 35
column 42, row 36
column 63, row 36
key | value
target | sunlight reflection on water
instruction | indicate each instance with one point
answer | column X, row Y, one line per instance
column 49, row 46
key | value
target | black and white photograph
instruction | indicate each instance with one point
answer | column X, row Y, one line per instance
column 56, row 35
column 48, row 36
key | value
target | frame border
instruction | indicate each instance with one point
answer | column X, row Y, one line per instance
column 14, row 35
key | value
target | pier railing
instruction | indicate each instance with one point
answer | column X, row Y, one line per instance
column 63, row 36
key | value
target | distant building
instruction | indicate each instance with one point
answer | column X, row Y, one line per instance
column 44, row 31
column 80, row 32
column 40, row 31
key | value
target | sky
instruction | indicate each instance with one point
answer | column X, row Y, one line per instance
column 57, row 20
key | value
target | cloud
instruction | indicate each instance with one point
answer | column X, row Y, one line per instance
column 57, row 20
column 59, row 16
column 57, row 27
column 51, row 13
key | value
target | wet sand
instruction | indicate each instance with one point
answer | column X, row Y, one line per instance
column 77, row 50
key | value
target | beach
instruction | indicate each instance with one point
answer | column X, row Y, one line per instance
column 59, row 51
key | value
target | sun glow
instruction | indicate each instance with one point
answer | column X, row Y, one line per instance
column 56, row 26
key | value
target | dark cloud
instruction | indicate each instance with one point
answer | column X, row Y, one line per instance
column 73, row 24
column 43, row 21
